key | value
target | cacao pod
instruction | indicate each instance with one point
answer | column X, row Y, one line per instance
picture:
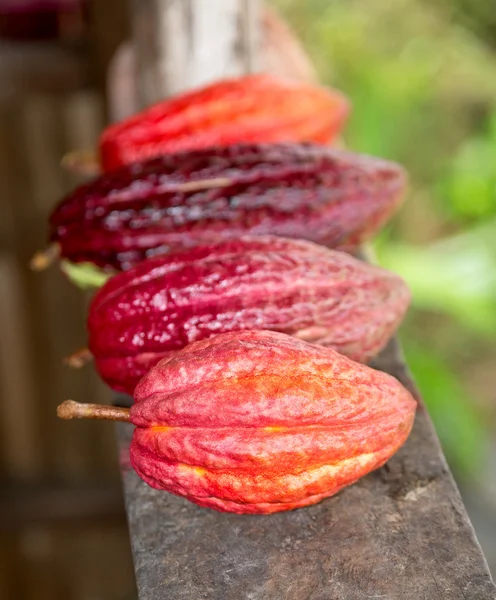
column 260, row 422
column 254, row 108
column 332, row 197
column 162, row 304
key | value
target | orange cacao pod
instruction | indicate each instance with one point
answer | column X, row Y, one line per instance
column 260, row 422
column 254, row 108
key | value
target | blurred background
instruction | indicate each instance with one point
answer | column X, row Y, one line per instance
column 422, row 78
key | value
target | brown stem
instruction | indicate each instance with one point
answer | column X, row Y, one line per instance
column 79, row 359
column 44, row 258
column 74, row 410
column 81, row 162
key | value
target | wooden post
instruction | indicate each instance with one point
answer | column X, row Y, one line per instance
column 400, row 533
column 262, row 41
column 181, row 44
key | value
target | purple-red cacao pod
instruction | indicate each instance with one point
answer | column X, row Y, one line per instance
column 292, row 286
column 331, row 197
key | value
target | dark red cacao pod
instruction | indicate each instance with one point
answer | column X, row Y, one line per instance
column 328, row 196
column 254, row 108
column 296, row 287
column 259, row 422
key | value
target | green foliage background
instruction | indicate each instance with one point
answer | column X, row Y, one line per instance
column 422, row 79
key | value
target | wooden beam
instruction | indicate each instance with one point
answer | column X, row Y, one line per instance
column 401, row 533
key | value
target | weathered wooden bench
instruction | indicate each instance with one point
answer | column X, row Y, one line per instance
column 400, row 533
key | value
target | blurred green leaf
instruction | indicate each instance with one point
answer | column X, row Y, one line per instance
column 469, row 186
column 84, row 275
column 462, row 431
column 456, row 276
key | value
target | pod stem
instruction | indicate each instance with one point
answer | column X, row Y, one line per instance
column 81, row 162
column 79, row 359
column 74, row 410
column 44, row 258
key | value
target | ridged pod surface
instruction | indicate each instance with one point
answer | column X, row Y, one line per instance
column 254, row 108
column 260, row 422
column 296, row 287
column 328, row 196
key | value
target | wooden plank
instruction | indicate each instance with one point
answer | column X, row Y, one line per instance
column 401, row 533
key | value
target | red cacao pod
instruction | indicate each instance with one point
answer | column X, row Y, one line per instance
column 254, row 108
column 328, row 196
column 296, row 287
column 260, row 422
